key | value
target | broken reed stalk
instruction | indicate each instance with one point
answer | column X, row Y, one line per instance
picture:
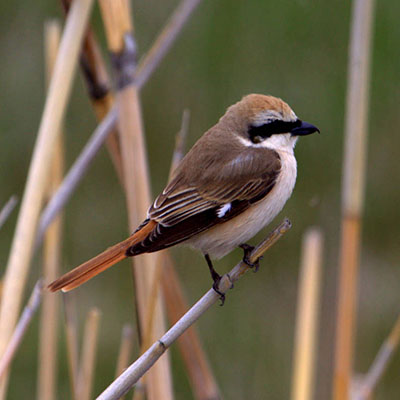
column 47, row 376
column 128, row 379
column 353, row 183
column 21, row 327
column 54, row 109
column 380, row 364
column 118, row 25
column 71, row 335
column 88, row 360
column 7, row 209
column 308, row 301
column 108, row 123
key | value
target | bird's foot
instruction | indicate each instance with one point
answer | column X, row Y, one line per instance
column 216, row 277
column 247, row 249
column 215, row 286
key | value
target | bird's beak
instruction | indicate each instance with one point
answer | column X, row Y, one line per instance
column 304, row 129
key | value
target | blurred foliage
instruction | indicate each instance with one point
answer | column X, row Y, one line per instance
column 296, row 50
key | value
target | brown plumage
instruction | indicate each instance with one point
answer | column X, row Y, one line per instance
column 233, row 181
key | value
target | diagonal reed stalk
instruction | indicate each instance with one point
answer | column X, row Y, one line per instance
column 352, row 192
column 20, row 329
column 46, row 389
column 7, row 209
column 380, row 364
column 116, row 16
column 98, row 87
column 305, row 347
column 54, row 109
column 143, row 364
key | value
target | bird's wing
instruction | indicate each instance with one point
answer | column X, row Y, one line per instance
column 215, row 195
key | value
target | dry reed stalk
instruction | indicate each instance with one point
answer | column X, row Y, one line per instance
column 21, row 327
column 352, row 191
column 54, row 109
column 126, row 381
column 98, row 87
column 7, row 209
column 307, row 316
column 380, row 364
column 71, row 334
column 116, row 16
column 52, row 247
column 88, row 360
column 125, row 349
column 108, row 123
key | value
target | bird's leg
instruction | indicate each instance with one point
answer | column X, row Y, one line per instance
column 216, row 278
column 247, row 249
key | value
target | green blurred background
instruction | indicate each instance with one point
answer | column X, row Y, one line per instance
column 296, row 50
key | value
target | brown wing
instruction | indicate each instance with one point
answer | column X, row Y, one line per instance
column 197, row 199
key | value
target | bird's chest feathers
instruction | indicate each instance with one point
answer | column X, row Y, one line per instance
column 222, row 238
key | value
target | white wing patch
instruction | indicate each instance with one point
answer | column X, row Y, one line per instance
column 223, row 210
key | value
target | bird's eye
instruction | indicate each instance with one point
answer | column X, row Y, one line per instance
column 259, row 133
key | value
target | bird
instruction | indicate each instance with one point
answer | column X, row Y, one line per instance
column 232, row 183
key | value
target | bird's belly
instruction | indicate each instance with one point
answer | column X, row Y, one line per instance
column 223, row 238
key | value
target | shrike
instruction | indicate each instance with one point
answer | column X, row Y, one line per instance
column 232, row 183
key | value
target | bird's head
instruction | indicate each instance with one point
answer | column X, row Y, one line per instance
column 267, row 121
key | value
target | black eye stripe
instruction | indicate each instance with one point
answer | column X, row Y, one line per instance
column 272, row 128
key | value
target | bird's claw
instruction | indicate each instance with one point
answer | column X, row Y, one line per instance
column 247, row 249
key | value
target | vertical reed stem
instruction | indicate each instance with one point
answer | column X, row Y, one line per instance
column 307, row 316
column 353, row 191
column 88, row 361
column 52, row 248
column 54, row 109
column 118, row 26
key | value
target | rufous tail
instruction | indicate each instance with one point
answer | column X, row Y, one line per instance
column 100, row 263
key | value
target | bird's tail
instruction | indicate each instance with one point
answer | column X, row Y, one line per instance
column 100, row 263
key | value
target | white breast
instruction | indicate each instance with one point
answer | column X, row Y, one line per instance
column 223, row 238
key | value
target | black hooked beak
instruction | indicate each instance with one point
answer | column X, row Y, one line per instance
column 304, row 128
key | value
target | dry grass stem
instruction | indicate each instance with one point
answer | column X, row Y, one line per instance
column 307, row 316
column 165, row 40
column 353, row 190
column 52, row 247
column 8, row 209
column 88, row 361
column 54, row 109
column 21, row 327
column 380, row 364
column 126, row 381
column 137, row 188
column 71, row 333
